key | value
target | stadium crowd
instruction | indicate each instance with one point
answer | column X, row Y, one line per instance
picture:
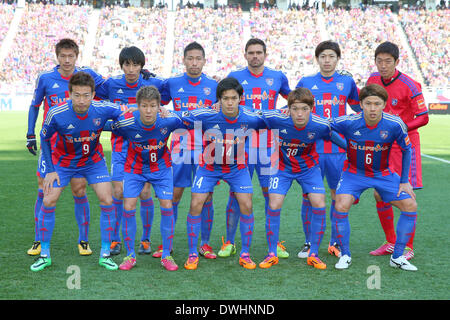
column 290, row 35
column 429, row 36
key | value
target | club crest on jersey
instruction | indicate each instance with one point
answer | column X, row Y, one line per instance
column 394, row 102
column 163, row 131
column 340, row 86
column 244, row 127
column 269, row 81
column 207, row 91
column 383, row 134
column 311, row 135
column 97, row 121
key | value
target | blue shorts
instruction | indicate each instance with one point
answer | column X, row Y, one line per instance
column 183, row 169
column 259, row 161
column 331, row 165
column 238, row 180
column 42, row 168
column 310, row 180
column 118, row 160
column 94, row 173
column 356, row 184
column 161, row 181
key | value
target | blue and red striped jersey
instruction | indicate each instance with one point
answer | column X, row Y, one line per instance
column 296, row 146
column 52, row 89
column 224, row 137
column 77, row 135
column 186, row 94
column 331, row 95
column 147, row 146
column 117, row 90
column 261, row 90
column 189, row 93
column 368, row 148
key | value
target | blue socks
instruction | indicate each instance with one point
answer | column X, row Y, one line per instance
column 272, row 229
column 129, row 231
column 318, row 226
column 207, row 221
column 83, row 217
column 107, row 223
column 247, row 224
column 342, row 226
column 46, row 224
column 405, row 229
column 37, row 209
column 233, row 212
column 193, row 225
column 167, row 230
column 306, row 219
column 118, row 212
column 147, row 214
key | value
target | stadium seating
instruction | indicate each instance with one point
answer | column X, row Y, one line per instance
column 429, row 36
column 291, row 37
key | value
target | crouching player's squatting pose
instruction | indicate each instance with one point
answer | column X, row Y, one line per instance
column 370, row 136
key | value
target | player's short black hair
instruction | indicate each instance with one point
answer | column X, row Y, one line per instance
column 302, row 95
column 373, row 90
column 229, row 83
column 328, row 44
column 67, row 43
column 253, row 41
column 389, row 48
column 82, row 79
column 194, row 46
column 132, row 54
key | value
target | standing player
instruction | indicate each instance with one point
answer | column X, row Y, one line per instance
column 77, row 124
column 407, row 102
column 332, row 90
column 147, row 161
column 190, row 91
column 52, row 89
column 370, row 136
column 225, row 132
column 262, row 85
column 122, row 89
column 297, row 159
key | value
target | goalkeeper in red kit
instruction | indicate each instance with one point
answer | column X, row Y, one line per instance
column 406, row 101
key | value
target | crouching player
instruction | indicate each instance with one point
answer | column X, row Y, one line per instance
column 225, row 133
column 370, row 136
column 78, row 124
column 297, row 159
column 147, row 161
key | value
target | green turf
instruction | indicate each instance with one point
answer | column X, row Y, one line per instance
column 222, row 278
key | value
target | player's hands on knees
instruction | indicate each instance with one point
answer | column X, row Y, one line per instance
column 406, row 187
column 31, row 143
column 48, row 181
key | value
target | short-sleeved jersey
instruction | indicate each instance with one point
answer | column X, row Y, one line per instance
column 405, row 96
column 296, row 146
column 186, row 94
column 368, row 148
column 77, row 136
column 224, row 137
column 117, row 90
column 189, row 93
column 54, row 88
column 147, row 150
column 331, row 95
column 261, row 90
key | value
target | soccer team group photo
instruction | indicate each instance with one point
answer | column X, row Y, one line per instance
column 253, row 128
